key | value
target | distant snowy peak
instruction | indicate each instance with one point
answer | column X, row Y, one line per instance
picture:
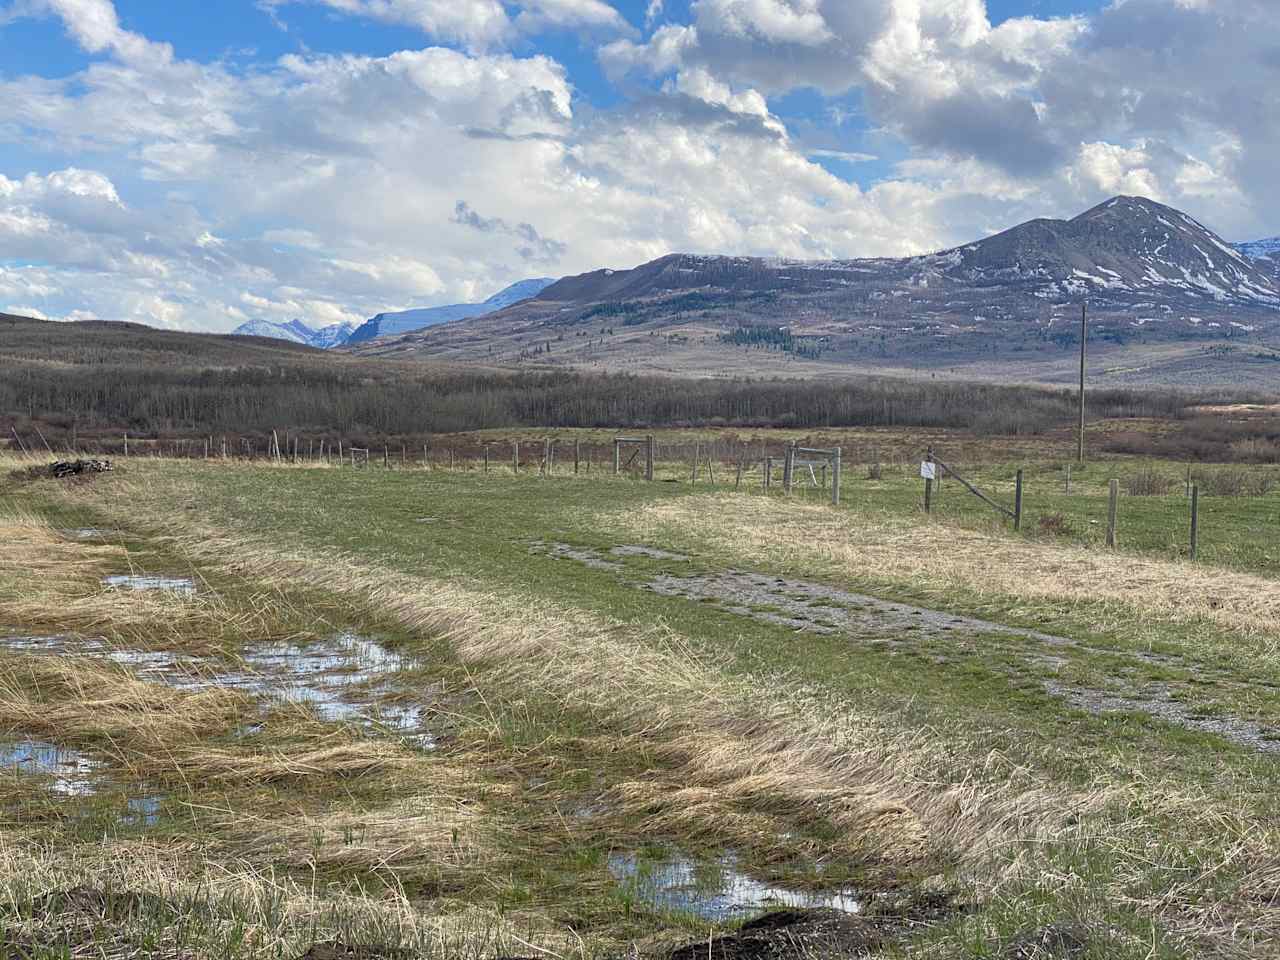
column 1260, row 249
column 266, row 328
column 407, row 321
column 296, row 331
column 334, row 335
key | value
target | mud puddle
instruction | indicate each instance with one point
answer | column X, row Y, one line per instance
column 584, row 555
column 69, row 773
column 714, row 890
column 1157, row 700
column 184, row 586
column 603, row 560
column 346, row 679
column 803, row 605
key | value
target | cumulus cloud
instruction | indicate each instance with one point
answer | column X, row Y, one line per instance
column 327, row 186
column 480, row 24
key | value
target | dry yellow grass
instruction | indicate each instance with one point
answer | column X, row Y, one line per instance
column 939, row 559
column 51, row 581
column 236, row 908
column 75, row 699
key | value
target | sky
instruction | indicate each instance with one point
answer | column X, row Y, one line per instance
column 195, row 165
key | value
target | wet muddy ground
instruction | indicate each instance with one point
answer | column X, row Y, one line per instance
column 346, row 678
column 811, row 607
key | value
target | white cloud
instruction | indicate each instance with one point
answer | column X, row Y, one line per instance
column 479, row 24
column 331, row 187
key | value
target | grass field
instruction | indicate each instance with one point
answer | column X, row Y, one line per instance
column 495, row 715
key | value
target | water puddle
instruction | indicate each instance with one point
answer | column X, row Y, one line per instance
column 714, row 890
column 138, row 582
column 141, row 812
column 1158, row 701
column 345, row 679
column 87, row 533
column 69, row 773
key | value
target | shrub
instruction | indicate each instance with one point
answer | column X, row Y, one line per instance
column 1148, row 483
column 1235, row 482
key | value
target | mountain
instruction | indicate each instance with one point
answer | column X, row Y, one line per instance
column 1153, row 277
column 1265, row 252
column 295, row 331
column 1260, row 249
column 393, row 324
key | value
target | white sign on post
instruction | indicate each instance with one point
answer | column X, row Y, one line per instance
column 929, row 470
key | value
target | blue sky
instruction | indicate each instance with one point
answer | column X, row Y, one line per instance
column 281, row 158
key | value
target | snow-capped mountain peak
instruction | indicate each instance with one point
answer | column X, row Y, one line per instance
column 388, row 324
column 297, row 331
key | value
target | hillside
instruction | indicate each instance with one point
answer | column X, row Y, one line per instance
column 1165, row 294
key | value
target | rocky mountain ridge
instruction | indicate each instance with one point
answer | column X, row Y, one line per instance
column 1148, row 273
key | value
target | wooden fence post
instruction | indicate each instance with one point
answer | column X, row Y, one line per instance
column 789, row 467
column 928, row 484
column 737, row 481
column 1017, row 503
column 1068, row 478
column 697, row 454
column 835, row 477
column 486, row 458
column 1111, row 513
column 515, row 456
column 648, row 457
column 768, row 472
column 577, row 455
column 1195, row 520
column 617, row 457
column 126, row 445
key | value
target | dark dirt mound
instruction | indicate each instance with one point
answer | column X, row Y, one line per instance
column 789, row 934
column 1052, row 942
column 63, row 470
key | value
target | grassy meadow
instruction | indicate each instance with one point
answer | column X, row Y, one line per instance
column 642, row 712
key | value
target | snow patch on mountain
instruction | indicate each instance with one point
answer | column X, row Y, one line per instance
column 407, row 321
column 296, row 331
column 1260, row 249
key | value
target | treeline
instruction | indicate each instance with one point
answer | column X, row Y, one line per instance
column 94, row 381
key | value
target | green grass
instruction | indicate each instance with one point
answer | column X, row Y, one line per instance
column 978, row 700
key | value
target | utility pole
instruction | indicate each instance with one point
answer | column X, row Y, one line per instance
column 1084, row 339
